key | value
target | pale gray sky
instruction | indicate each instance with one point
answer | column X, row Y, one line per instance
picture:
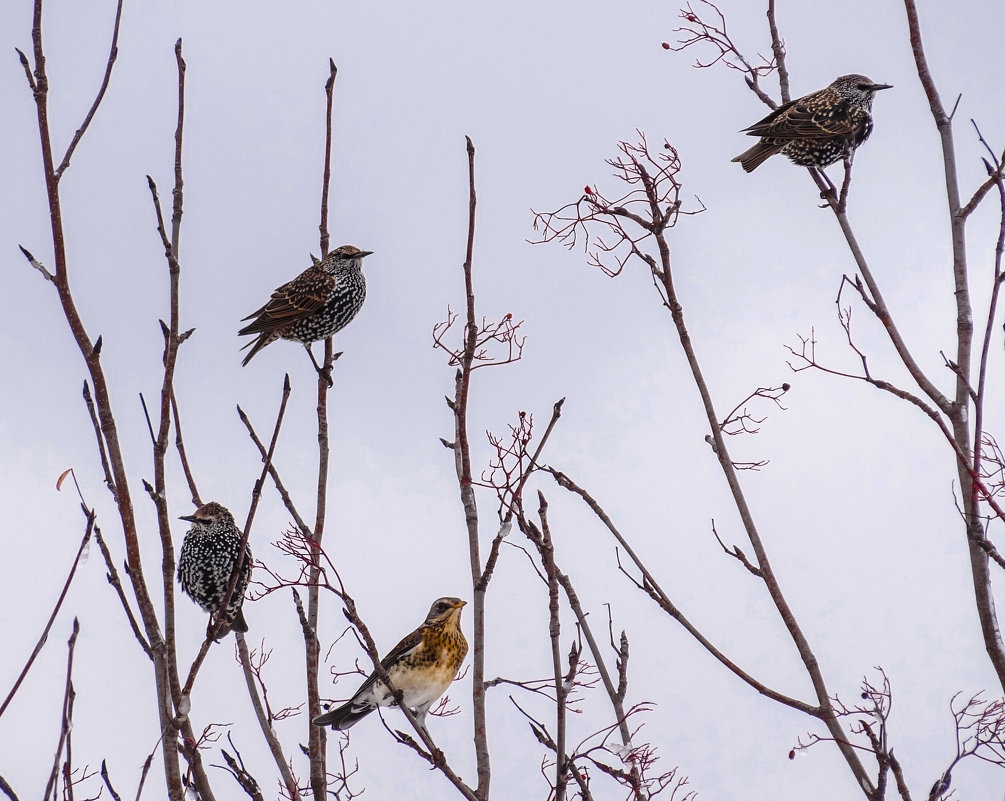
column 856, row 504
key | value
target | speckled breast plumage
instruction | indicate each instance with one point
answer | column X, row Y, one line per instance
column 206, row 564
column 339, row 310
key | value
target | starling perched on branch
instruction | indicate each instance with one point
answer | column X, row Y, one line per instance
column 208, row 555
column 422, row 666
column 323, row 299
column 818, row 129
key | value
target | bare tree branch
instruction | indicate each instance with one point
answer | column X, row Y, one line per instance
column 275, row 747
column 67, row 714
column 88, row 529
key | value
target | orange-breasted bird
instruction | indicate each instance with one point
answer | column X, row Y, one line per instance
column 422, row 666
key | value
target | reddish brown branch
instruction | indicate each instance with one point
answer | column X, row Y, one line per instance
column 182, row 456
column 89, row 527
column 274, row 473
column 317, row 736
column 651, row 587
column 256, row 496
column 807, row 355
column 778, row 50
column 113, row 578
column 699, row 32
column 102, row 452
column 112, row 54
column 326, row 179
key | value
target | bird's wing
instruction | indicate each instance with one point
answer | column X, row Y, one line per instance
column 768, row 124
column 407, row 644
column 807, row 119
column 402, row 649
column 295, row 300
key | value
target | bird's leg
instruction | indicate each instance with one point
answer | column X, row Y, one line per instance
column 215, row 624
column 420, row 717
column 323, row 372
column 829, row 194
column 436, row 756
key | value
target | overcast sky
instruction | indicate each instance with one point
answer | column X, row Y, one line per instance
column 856, row 505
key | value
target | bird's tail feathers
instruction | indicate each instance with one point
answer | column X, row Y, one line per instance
column 239, row 623
column 343, row 717
column 255, row 345
column 753, row 158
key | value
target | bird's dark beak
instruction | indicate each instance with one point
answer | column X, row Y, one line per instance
column 877, row 86
column 189, row 518
column 363, row 253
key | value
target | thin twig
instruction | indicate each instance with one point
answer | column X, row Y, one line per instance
column 275, row 747
column 102, row 452
column 256, row 496
column 113, row 578
column 90, row 514
column 547, row 550
column 317, row 736
column 462, row 465
column 778, row 50
column 67, row 714
column 182, row 457
column 35, row 262
column 280, row 487
column 112, row 53
column 108, row 781
column 326, row 178
column 7, row 789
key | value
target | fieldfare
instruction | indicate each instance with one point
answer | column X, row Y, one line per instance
column 421, row 666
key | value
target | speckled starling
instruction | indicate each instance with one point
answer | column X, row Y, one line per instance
column 206, row 563
column 422, row 666
column 323, row 299
column 818, row 129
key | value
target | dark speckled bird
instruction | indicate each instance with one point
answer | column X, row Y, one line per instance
column 323, row 299
column 208, row 554
column 422, row 666
column 818, row 129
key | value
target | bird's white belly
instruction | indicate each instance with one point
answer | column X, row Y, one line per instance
column 418, row 687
